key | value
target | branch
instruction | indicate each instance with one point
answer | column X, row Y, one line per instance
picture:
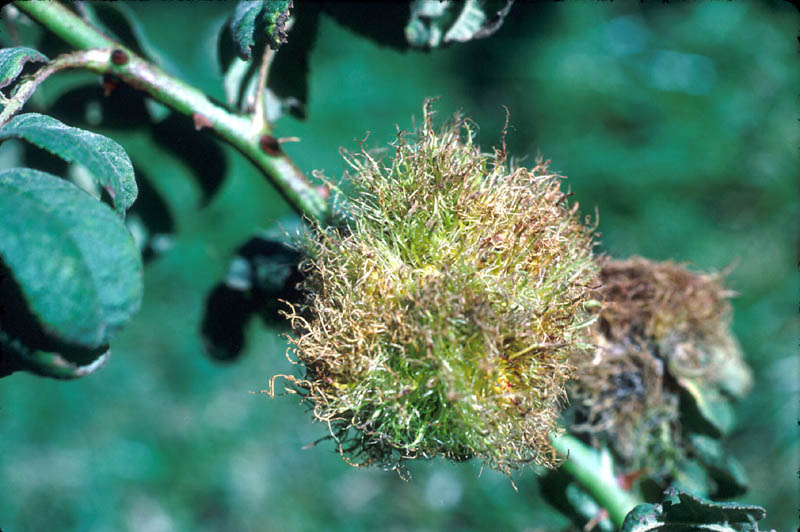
column 23, row 91
column 596, row 475
column 113, row 58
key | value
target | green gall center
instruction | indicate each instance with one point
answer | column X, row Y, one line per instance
column 439, row 320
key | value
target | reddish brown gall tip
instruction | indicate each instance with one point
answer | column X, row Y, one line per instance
column 119, row 57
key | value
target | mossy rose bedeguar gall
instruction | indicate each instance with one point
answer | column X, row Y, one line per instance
column 440, row 319
column 443, row 316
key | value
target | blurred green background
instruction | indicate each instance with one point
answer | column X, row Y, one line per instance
column 677, row 122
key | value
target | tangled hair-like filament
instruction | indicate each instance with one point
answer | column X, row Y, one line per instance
column 439, row 321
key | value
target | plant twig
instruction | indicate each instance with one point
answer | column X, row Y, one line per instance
column 25, row 89
column 595, row 473
column 115, row 59
column 259, row 112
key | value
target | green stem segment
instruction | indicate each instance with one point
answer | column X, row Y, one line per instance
column 257, row 145
column 596, row 475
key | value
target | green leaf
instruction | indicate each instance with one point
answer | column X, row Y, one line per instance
column 56, row 366
column 243, row 25
column 262, row 273
column 434, row 22
column 272, row 15
column 53, row 365
column 726, row 471
column 105, row 160
column 692, row 476
column 121, row 23
column 12, row 60
column 141, row 28
column 276, row 18
column 75, row 264
column 706, row 408
column 682, row 512
column 288, row 75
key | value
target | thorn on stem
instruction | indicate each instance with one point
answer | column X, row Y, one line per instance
column 200, row 121
column 270, row 145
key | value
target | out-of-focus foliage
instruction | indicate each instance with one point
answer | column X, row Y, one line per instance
column 434, row 22
column 665, row 365
column 676, row 121
column 682, row 512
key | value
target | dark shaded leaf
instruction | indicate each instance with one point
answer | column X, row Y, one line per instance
column 243, row 25
column 75, row 264
column 57, row 367
column 704, row 409
column 15, row 356
column 382, row 22
column 176, row 169
column 494, row 21
column 227, row 50
column 682, row 512
column 105, row 160
column 150, row 220
column 433, row 23
column 87, row 107
column 187, row 56
column 288, row 79
column 12, row 60
column 116, row 21
column 227, row 312
column 263, row 271
column 692, row 476
column 124, row 25
column 726, row 471
column 201, row 153
column 276, row 18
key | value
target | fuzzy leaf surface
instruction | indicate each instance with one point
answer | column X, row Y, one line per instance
column 276, row 16
column 243, row 25
column 105, row 160
column 682, row 512
column 251, row 16
column 12, row 60
column 76, row 265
